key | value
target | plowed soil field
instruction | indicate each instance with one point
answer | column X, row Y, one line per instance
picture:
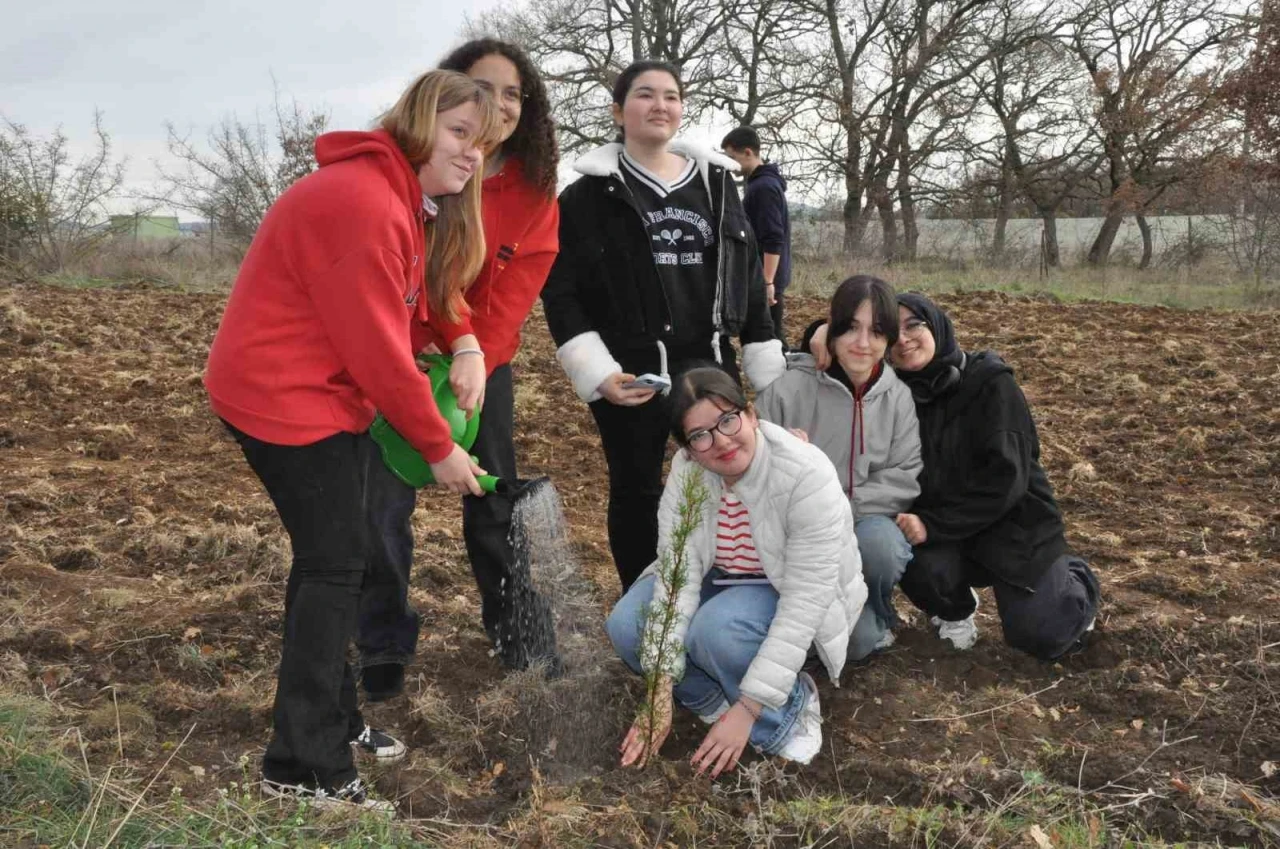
column 142, row 570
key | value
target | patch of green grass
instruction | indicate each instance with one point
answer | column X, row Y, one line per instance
column 47, row 799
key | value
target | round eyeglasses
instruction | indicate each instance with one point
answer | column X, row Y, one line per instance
column 728, row 424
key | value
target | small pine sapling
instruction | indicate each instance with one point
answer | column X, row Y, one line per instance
column 663, row 654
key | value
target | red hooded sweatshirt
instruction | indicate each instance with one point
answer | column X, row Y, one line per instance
column 522, row 238
column 316, row 334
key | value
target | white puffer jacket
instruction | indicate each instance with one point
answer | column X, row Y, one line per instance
column 803, row 533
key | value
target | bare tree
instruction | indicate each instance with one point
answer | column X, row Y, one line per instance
column 1043, row 148
column 234, row 180
column 581, row 47
column 59, row 204
column 1156, row 69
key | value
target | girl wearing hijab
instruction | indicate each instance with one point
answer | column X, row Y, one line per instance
column 986, row 516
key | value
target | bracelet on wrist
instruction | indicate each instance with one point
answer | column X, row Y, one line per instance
column 754, row 711
column 461, row 351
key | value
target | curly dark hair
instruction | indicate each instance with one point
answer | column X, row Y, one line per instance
column 534, row 140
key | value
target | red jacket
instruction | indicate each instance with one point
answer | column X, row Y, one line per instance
column 316, row 334
column 522, row 237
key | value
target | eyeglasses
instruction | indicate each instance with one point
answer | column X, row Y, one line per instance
column 913, row 328
column 728, row 424
column 510, row 95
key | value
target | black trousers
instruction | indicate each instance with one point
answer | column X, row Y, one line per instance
column 517, row 620
column 328, row 495
column 1044, row 621
column 635, row 444
column 776, row 313
column 509, row 609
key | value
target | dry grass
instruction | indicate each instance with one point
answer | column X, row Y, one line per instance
column 186, row 263
column 1192, row 288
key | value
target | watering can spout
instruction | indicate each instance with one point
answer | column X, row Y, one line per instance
column 509, row 487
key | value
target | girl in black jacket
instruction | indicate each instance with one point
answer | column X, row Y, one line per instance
column 986, row 515
column 657, row 271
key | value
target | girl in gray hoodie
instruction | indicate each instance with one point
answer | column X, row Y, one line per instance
column 863, row 418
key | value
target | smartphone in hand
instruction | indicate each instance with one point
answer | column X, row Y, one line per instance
column 656, row 382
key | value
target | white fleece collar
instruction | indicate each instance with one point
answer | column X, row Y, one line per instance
column 604, row 161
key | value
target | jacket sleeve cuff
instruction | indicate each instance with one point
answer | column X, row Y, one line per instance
column 587, row 361
column 763, row 362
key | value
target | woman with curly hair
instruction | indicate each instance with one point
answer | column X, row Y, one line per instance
column 521, row 229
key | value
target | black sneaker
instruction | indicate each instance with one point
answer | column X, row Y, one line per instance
column 380, row 744
column 352, row 795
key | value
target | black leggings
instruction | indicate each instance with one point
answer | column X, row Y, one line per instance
column 635, row 445
column 1045, row 620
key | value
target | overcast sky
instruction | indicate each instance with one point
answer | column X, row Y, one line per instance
column 144, row 62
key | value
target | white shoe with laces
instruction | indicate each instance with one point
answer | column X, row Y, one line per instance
column 380, row 744
column 962, row 633
column 805, row 739
column 351, row 796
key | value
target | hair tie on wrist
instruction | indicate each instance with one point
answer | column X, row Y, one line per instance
column 461, row 351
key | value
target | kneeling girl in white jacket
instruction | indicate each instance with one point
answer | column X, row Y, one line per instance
column 770, row 569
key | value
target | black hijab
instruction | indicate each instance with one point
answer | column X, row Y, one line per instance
column 943, row 372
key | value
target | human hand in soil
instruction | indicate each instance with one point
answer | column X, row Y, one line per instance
column 912, row 528
column 818, row 347
column 724, row 743
column 650, row 729
column 457, row 472
column 467, row 377
column 613, row 391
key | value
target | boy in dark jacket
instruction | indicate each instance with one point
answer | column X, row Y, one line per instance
column 765, row 202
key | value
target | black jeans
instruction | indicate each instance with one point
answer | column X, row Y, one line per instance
column 326, row 494
column 389, row 628
column 635, row 444
column 517, row 620
column 776, row 313
column 1044, row 621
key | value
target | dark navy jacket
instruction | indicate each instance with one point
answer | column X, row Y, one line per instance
column 765, row 202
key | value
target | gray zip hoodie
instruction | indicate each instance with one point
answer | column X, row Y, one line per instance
column 880, row 444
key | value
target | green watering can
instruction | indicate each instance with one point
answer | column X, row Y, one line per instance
column 407, row 464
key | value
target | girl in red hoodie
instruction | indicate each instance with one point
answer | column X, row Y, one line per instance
column 316, row 336
column 521, row 228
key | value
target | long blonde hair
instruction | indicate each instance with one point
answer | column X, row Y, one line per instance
column 455, row 239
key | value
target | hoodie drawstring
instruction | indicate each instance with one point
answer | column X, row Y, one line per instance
column 662, row 366
column 857, row 443
column 857, row 436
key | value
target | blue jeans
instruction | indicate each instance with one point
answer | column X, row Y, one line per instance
column 885, row 555
column 722, row 640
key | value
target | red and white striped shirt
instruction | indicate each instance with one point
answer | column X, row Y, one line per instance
column 735, row 552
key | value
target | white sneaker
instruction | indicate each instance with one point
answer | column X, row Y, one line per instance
column 351, row 796
column 380, row 744
column 710, row 718
column 805, row 739
column 963, row 633
column 885, row 642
